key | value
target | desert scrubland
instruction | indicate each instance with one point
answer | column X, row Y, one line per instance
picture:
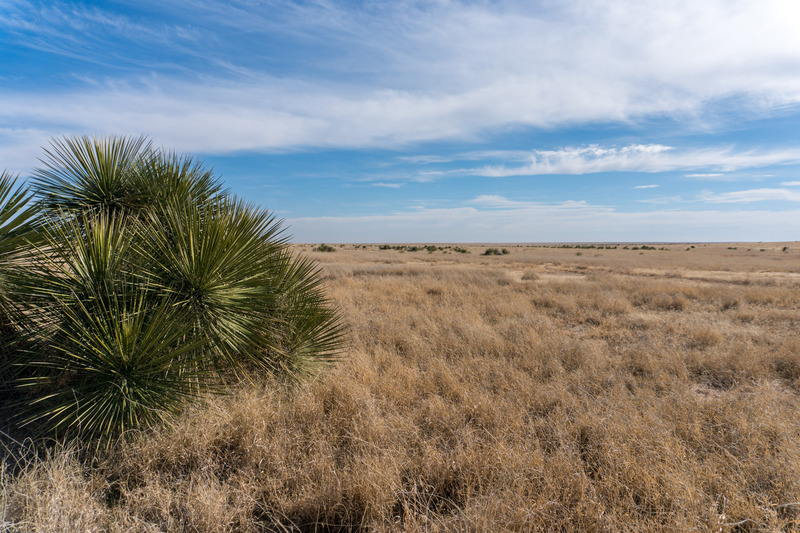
column 546, row 389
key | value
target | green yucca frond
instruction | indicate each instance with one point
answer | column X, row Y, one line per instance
column 81, row 259
column 213, row 261
column 18, row 233
column 309, row 329
column 88, row 251
column 162, row 178
column 117, row 364
column 17, row 219
column 83, row 173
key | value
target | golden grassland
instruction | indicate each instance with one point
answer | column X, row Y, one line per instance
column 552, row 389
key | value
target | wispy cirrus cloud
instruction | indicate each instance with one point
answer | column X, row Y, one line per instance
column 394, row 73
column 638, row 158
column 375, row 81
column 790, row 184
column 645, row 186
column 495, row 201
column 752, row 195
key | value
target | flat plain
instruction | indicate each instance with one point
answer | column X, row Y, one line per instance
column 550, row 388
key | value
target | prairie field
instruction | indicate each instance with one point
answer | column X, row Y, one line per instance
column 548, row 388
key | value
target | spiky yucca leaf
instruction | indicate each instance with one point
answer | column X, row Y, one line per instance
column 18, row 233
column 82, row 173
column 81, row 257
column 116, row 364
column 214, row 262
column 17, row 219
column 163, row 178
column 309, row 328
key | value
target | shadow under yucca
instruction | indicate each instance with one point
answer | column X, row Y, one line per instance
column 140, row 284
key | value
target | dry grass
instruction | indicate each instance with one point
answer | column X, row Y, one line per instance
column 534, row 391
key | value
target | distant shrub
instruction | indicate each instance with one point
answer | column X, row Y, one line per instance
column 430, row 248
column 460, row 250
column 492, row 251
column 323, row 248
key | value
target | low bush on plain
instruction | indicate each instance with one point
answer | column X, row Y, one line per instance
column 496, row 251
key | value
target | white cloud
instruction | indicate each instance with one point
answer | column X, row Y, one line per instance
column 791, row 183
column 20, row 148
column 494, row 201
column 645, row 186
column 752, row 195
column 387, row 185
column 638, row 158
column 505, row 155
column 416, row 71
column 662, row 200
column 707, row 175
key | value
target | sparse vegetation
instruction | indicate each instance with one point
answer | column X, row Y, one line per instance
column 496, row 251
column 430, row 248
column 323, row 248
column 617, row 393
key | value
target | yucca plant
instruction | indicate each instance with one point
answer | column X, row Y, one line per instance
column 150, row 286
column 18, row 231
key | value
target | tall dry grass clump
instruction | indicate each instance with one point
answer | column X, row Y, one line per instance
column 505, row 393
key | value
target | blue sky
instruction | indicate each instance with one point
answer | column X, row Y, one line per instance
column 437, row 121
